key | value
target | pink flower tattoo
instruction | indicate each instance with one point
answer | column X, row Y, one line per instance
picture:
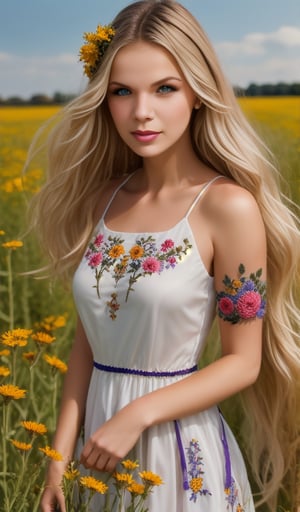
column 243, row 298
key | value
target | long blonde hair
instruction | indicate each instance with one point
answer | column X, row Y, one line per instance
column 85, row 151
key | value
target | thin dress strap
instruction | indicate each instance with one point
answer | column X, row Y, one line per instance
column 201, row 193
column 115, row 193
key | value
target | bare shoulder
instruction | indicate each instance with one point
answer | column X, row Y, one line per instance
column 228, row 202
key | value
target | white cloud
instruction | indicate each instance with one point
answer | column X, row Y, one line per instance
column 258, row 43
column 262, row 57
column 25, row 76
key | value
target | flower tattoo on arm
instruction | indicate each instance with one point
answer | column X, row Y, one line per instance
column 243, row 298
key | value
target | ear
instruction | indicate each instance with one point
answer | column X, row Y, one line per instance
column 198, row 104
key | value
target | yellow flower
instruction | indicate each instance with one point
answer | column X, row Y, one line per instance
column 136, row 488
column 4, row 353
column 136, row 252
column 230, row 290
column 50, row 323
column 123, row 479
column 2, row 232
column 71, row 474
column 43, row 338
column 51, row 453
column 4, row 371
column 93, row 484
column 116, row 251
column 12, row 244
column 16, row 337
column 239, row 508
column 236, row 283
column 93, row 50
column 150, row 478
column 34, row 428
column 130, row 464
column 21, row 446
column 196, row 484
column 55, row 362
column 29, row 356
column 11, row 392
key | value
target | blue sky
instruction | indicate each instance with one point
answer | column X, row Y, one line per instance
column 39, row 40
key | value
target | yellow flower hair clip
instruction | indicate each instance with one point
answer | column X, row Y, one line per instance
column 93, row 50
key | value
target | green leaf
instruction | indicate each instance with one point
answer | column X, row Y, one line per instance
column 242, row 269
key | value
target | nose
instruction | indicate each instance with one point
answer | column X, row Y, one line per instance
column 143, row 108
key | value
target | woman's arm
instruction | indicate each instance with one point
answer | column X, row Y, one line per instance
column 70, row 417
column 238, row 237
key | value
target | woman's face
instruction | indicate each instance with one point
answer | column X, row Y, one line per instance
column 149, row 100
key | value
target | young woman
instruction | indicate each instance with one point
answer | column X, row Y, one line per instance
column 161, row 201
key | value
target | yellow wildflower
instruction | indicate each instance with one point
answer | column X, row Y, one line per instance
column 55, row 362
column 4, row 371
column 136, row 488
column 94, row 484
column 29, row 356
column 150, row 478
column 21, row 446
column 116, row 251
column 34, row 428
column 196, row 484
column 51, row 453
column 11, row 392
column 130, row 464
column 136, row 252
column 4, row 353
column 71, row 474
column 123, row 479
column 16, row 337
column 43, row 338
column 12, row 244
column 50, row 323
column 93, row 50
column 2, row 232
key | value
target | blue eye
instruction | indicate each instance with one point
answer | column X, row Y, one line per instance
column 122, row 91
column 164, row 89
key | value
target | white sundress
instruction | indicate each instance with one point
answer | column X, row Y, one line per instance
column 147, row 304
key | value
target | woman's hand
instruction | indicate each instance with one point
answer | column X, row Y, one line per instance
column 52, row 497
column 113, row 440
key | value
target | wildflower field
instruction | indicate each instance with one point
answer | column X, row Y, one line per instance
column 37, row 317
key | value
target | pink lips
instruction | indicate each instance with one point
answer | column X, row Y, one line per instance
column 145, row 136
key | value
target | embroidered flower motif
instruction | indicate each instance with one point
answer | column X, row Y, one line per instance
column 195, row 471
column 243, row 298
column 116, row 251
column 142, row 259
column 136, row 252
column 166, row 245
column 232, row 498
column 151, row 265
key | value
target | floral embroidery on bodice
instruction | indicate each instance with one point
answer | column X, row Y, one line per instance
column 144, row 258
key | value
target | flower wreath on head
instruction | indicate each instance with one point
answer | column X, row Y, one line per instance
column 92, row 51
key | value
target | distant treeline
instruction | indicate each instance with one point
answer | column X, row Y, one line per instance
column 253, row 89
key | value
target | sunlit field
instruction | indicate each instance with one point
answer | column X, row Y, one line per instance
column 37, row 318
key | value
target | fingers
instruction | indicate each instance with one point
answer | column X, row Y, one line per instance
column 52, row 500
column 96, row 457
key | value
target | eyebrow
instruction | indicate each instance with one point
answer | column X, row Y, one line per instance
column 160, row 81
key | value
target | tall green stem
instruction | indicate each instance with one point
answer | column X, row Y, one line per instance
column 10, row 291
column 4, row 452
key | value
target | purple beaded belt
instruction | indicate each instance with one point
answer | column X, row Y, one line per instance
column 144, row 373
column 174, row 373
